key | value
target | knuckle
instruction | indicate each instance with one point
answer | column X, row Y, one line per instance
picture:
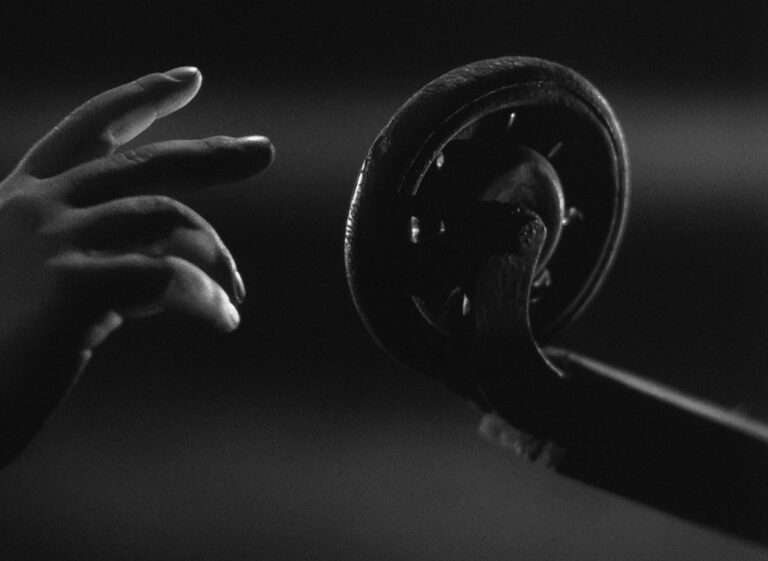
column 217, row 142
column 154, row 203
column 161, row 209
column 105, row 143
column 166, row 202
column 148, row 82
column 163, row 205
column 138, row 155
column 28, row 209
column 171, row 267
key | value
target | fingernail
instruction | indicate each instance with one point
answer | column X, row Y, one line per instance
column 183, row 73
column 256, row 140
column 233, row 316
column 238, row 288
column 264, row 145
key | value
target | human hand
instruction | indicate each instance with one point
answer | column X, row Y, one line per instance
column 90, row 237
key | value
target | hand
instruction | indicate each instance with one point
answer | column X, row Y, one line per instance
column 89, row 237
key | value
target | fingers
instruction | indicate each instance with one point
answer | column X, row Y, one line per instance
column 169, row 167
column 129, row 250
column 153, row 226
column 111, row 119
column 136, row 285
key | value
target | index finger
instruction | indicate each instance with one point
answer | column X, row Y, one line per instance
column 164, row 168
column 112, row 118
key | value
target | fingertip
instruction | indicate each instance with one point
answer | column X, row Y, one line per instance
column 262, row 148
column 157, row 96
column 99, row 332
column 272, row 152
column 238, row 286
column 192, row 293
column 232, row 317
column 189, row 80
column 183, row 73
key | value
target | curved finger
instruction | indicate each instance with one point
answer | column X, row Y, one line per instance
column 135, row 285
column 169, row 167
column 111, row 119
column 154, row 226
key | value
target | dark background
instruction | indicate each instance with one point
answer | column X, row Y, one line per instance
column 296, row 437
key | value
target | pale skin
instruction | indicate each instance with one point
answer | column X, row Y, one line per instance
column 90, row 237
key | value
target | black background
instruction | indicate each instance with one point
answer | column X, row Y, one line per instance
column 296, row 437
